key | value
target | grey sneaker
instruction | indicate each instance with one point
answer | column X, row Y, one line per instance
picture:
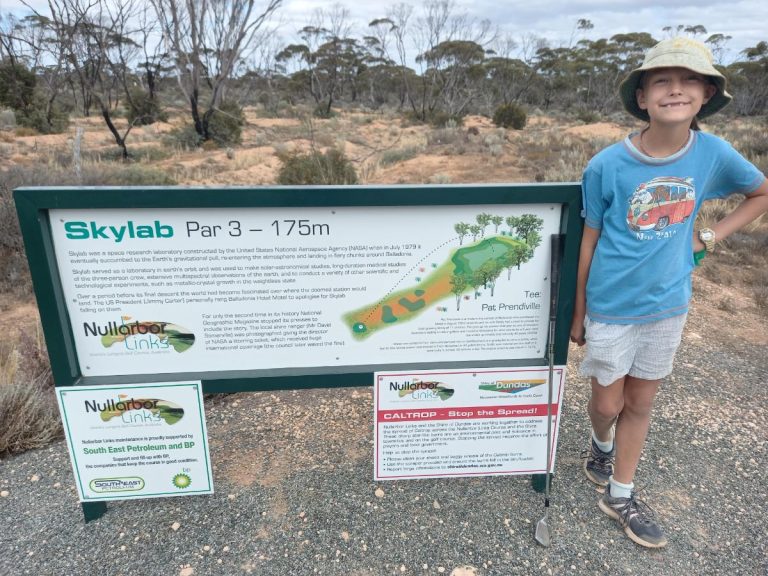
column 598, row 465
column 636, row 517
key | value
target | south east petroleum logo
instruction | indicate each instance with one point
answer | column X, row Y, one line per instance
column 417, row 390
column 140, row 335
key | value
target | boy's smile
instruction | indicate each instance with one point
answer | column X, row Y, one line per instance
column 673, row 95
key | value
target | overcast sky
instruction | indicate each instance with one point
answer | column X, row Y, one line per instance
column 555, row 21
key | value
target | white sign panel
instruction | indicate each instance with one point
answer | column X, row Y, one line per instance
column 170, row 290
column 441, row 423
column 137, row 440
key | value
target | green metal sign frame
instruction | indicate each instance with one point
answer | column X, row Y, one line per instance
column 33, row 205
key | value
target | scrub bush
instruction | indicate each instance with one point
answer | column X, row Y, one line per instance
column 328, row 168
column 225, row 126
column 510, row 116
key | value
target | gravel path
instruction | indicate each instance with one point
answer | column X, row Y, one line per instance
column 303, row 501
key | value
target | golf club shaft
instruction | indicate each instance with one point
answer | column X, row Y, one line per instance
column 554, row 286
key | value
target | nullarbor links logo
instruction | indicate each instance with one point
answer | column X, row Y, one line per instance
column 136, row 410
column 418, row 390
column 141, row 335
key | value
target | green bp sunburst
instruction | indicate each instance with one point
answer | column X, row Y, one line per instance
column 182, row 481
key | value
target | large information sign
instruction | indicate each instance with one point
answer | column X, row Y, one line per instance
column 199, row 290
column 137, row 441
column 432, row 424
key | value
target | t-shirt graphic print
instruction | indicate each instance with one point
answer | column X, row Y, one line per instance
column 659, row 203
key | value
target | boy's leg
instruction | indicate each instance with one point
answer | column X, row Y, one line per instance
column 605, row 404
column 632, row 426
column 634, row 515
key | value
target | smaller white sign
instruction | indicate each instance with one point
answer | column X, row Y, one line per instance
column 486, row 421
column 137, row 440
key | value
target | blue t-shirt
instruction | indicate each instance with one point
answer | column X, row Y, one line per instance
column 645, row 208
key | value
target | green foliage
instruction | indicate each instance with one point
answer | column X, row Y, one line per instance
column 322, row 111
column 331, row 167
column 17, row 85
column 225, row 125
column 18, row 92
column 399, row 155
column 587, row 116
column 143, row 110
column 510, row 116
column 55, row 121
column 184, row 137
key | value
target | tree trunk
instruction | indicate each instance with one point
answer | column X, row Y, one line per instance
column 118, row 139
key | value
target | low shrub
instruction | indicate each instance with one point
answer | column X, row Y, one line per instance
column 510, row 116
column 184, row 137
column 328, row 168
column 143, row 110
column 390, row 157
column 7, row 120
column 225, row 126
column 28, row 414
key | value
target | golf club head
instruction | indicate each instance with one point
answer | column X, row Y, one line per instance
column 542, row 532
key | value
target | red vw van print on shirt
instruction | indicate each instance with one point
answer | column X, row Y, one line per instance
column 660, row 203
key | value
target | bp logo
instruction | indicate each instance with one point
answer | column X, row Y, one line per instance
column 182, row 481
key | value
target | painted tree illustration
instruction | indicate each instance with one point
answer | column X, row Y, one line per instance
column 509, row 260
column 459, row 285
column 475, row 229
column 461, row 228
column 528, row 223
column 522, row 253
column 533, row 240
column 511, row 221
column 475, row 280
column 489, row 271
column 496, row 221
column 483, row 219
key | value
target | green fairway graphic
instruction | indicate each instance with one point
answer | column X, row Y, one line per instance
column 468, row 269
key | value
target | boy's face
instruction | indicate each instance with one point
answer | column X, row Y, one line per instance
column 674, row 95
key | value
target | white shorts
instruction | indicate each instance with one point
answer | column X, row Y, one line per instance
column 644, row 351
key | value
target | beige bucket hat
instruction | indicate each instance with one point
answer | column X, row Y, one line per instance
column 676, row 53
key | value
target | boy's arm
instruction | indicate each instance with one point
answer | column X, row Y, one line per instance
column 588, row 243
column 754, row 205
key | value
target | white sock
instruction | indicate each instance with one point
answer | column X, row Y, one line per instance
column 604, row 446
column 619, row 490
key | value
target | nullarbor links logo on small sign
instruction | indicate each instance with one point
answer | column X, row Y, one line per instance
column 418, row 391
column 136, row 410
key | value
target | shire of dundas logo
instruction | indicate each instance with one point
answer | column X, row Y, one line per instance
column 141, row 334
column 510, row 386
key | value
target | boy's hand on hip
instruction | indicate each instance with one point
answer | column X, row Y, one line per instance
column 578, row 332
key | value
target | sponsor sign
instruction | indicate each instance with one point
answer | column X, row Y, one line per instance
column 159, row 291
column 136, row 440
column 442, row 423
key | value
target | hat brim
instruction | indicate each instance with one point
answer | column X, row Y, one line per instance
column 629, row 86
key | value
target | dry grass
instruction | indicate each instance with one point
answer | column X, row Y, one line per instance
column 28, row 411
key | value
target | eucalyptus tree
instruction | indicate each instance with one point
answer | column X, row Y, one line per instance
column 206, row 41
